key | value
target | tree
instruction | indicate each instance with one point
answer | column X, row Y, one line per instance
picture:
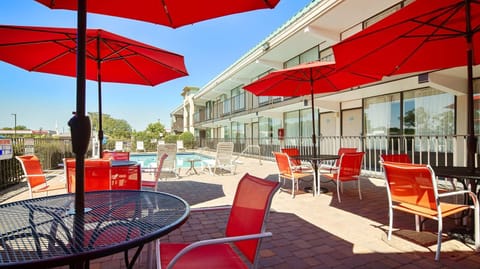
column 151, row 135
column 112, row 128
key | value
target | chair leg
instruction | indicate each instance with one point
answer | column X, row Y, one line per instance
column 390, row 222
column 293, row 188
column 417, row 223
column 359, row 190
column 476, row 224
column 439, row 239
column 338, row 190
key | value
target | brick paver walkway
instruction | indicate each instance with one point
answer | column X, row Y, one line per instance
column 313, row 232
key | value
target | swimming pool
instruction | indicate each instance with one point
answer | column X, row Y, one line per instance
column 150, row 159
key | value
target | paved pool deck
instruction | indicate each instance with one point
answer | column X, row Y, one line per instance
column 309, row 231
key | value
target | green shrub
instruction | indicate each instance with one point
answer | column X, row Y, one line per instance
column 188, row 140
column 171, row 139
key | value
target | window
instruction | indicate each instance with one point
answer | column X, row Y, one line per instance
column 382, row 115
column 428, row 111
column 309, row 55
column 306, row 128
column 291, row 123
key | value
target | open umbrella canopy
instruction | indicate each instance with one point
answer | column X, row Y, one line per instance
column 115, row 58
column 109, row 57
column 425, row 35
column 306, row 79
column 172, row 13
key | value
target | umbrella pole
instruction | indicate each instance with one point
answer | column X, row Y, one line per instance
column 99, row 81
column 471, row 139
column 80, row 131
column 314, row 142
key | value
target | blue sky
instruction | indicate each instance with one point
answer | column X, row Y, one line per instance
column 46, row 101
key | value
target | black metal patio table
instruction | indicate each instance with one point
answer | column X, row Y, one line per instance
column 315, row 161
column 462, row 174
column 40, row 232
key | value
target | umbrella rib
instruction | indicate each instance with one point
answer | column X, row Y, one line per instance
column 125, row 59
column 433, row 35
column 167, row 13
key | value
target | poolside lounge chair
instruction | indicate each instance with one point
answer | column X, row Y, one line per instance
column 140, row 146
column 170, row 163
column 180, row 145
column 223, row 159
column 240, row 247
column 36, row 178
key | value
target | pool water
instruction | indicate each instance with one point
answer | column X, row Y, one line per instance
column 150, row 159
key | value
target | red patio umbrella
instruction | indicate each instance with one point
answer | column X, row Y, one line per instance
column 308, row 79
column 109, row 57
column 172, row 13
column 425, row 35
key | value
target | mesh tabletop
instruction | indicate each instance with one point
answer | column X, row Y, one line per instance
column 40, row 232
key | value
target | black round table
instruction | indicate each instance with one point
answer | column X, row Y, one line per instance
column 315, row 161
column 40, row 232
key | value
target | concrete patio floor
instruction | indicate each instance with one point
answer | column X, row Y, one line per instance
column 308, row 231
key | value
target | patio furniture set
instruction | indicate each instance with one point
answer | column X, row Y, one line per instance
column 411, row 188
column 47, row 232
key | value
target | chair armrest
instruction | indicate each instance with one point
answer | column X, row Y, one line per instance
column 453, row 193
column 221, row 240
column 212, row 208
column 471, row 194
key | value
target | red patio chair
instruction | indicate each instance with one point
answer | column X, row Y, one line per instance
column 398, row 158
column 244, row 231
column 412, row 188
column 296, row 164
column 116, row 155
column 36, row 178
column 154, row 184
column 97, row 175
column 286, row 171
column 328, row 168
column 349, row 169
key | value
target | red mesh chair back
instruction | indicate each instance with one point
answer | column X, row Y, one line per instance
column 116, row 155
column 411, row 183
column 153, row 184
column 97, row 175
column 292, row 152
column 344, row 150
column 398, row 158
column 283, row 163
column 32, row 169
column 249, row 212
column 160, row 165
column 350, row 166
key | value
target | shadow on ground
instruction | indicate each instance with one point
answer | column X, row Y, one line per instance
column 192, row 191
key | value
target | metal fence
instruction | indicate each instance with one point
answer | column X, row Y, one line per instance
column 50, row 151
column 434, row 150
